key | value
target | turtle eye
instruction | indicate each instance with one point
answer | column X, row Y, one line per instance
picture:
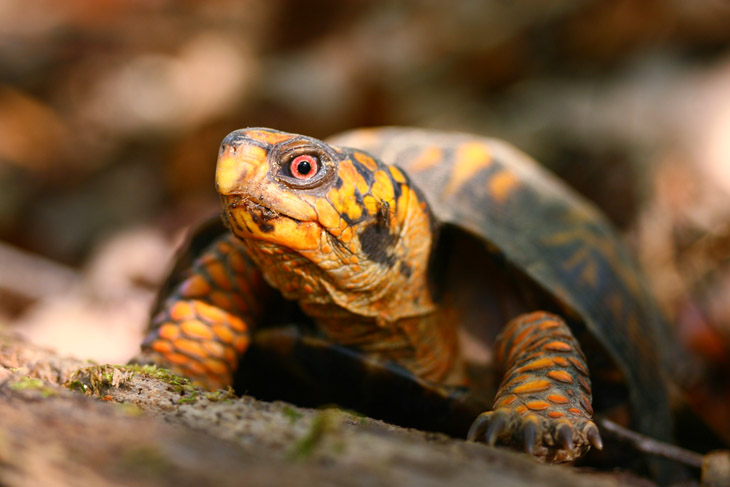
column 304, row 166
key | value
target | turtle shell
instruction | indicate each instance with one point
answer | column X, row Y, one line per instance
column 508, row 203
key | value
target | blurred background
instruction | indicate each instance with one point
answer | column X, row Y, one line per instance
column 111, row 112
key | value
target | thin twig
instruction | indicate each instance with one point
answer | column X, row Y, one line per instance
column 650, row 445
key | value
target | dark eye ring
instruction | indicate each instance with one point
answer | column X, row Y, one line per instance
column 304, row 166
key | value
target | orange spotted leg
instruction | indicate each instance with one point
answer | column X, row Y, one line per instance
column 204, row 324
column 543, row 404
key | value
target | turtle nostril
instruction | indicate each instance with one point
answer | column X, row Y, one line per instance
column 228, row 149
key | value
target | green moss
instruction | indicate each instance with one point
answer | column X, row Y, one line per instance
column 221, row 395
column 77, row 386
column 129, row 409
column 33, row 384
column 145, row 460
column 165, row 375
column 324, row 422
column 292, row 414
column 194, row 395
column 97, row 379
column 339, row 446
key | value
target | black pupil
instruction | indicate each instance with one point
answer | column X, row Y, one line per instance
column 303, row 167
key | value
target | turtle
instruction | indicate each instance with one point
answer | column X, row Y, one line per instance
column 435, row 261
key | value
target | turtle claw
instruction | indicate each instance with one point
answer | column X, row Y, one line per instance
column 564, row 435
column 497, row 427
column 478, row 427
column 493, row 425
column 591, row 432
column 545, row 439
column 566, row 440
column 529, row 434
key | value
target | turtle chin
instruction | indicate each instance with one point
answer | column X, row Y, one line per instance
column 246, row 218
column 251, row 222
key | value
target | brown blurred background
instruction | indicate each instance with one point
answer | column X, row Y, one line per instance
column 111, row 112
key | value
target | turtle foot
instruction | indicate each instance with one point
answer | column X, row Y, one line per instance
column 545, row 438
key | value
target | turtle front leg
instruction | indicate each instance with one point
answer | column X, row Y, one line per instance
column 204, row 325
column 543, row 405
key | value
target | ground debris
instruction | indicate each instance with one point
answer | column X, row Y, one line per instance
column 119, row 425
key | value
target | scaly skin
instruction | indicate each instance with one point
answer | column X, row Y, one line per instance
column 205, row 323
column 349, row 238
column 544, row 401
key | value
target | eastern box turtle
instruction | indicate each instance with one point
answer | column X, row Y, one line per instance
column 423, row 258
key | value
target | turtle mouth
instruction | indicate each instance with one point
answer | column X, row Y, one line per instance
column 250, row 221
column 242, row 213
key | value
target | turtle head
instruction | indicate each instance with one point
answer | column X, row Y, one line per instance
column 323, row 220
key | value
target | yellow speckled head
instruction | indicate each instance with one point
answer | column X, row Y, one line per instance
column 322, row 220
column 262, row 197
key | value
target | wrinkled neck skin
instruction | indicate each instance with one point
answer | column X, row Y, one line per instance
column 376, row 298
column 380, row 277
column 386, row 280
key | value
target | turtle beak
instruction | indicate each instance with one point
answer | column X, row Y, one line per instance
column 238, row 159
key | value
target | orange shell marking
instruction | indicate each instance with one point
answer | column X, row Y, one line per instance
column 501, row 185
column 470, row 158
column 430, row 157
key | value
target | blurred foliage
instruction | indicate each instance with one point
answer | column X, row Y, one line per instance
column 111, row 110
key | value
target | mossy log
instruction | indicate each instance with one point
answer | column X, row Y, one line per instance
column 68, row 422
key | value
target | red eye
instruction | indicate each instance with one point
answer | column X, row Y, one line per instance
column 303, row 167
